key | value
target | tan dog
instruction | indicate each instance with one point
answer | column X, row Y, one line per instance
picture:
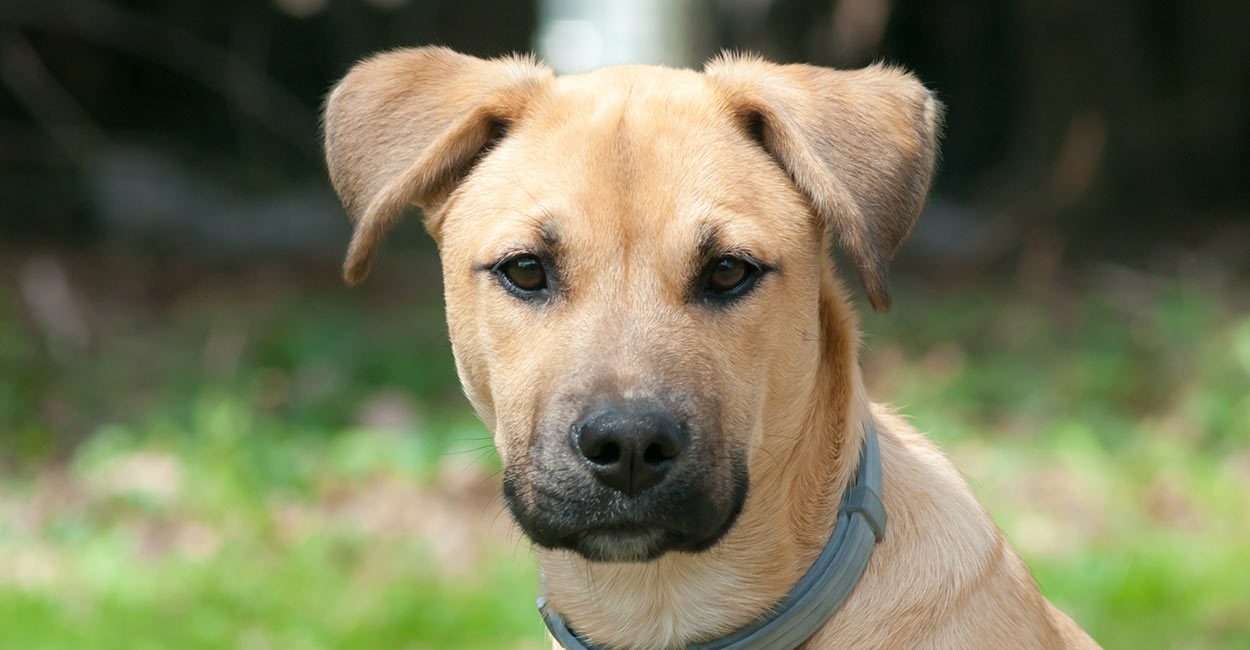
column 644, row 314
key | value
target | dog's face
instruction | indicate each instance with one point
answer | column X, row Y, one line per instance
column 632, row 261
column 617, row 305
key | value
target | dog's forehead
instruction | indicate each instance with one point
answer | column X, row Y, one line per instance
column 609, row 92
column 632, row 110
column 629, row 153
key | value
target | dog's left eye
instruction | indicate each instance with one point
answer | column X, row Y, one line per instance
column 728, row 277
column 522, row 274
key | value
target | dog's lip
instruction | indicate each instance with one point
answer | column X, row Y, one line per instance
column 621, row 543
column 626, row 530
column 623, row 535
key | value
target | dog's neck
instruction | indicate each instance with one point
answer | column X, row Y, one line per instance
column 805, row 457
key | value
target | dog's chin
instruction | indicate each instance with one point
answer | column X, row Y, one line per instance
column 621, row 544
column 640, row 543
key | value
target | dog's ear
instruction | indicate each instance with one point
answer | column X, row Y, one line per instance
column 405, row 126
column 859, row 144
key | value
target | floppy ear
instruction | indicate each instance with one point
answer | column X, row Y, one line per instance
column 860, row 144
column 405, row 126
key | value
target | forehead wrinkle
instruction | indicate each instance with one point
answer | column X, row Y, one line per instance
column 709, row 240
column 624, row 161
column 549, row 232
column 535, row 232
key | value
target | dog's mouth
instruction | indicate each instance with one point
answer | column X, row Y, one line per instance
column 684, row 515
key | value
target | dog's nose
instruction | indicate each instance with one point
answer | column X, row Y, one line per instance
column 630, row 447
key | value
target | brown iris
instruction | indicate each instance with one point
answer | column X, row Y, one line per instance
column 525, row 272
column 727, row 273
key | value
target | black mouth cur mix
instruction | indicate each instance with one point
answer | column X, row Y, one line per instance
column 644, row 313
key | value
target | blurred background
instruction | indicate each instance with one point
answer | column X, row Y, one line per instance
column 207, row 441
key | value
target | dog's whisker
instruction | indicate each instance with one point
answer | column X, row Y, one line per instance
column 460, row 452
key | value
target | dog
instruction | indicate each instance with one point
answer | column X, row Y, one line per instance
column 645, row 313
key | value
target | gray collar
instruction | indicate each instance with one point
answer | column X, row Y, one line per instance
column 820, row 592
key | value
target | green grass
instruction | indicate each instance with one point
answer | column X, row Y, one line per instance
column 231, row 530
column 284, row 467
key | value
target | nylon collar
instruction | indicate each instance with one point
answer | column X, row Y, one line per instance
column 819, row 593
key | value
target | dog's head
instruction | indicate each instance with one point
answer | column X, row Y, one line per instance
column 632, row 260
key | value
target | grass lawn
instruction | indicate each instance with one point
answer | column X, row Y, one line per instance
column 256, row 463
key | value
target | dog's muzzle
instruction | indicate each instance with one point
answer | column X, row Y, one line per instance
column 627, row 482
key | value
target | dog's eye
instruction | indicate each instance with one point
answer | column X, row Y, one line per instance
column 728, row 277
column 524, row 273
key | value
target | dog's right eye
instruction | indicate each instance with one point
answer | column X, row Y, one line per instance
column 727, row 278
column 523, row 275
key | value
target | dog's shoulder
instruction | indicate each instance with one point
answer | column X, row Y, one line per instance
column 944, row 573
column 942, row 535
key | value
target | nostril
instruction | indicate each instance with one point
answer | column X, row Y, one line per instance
column 607, row 454
column 656, row 455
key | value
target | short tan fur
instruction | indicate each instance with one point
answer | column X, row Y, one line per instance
column 626, row 172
